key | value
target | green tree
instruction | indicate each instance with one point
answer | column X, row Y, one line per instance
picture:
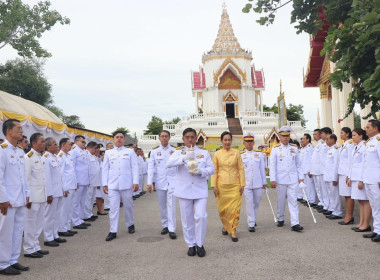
column 357, row 120
column 154, row 126
column 25, row 78
column 21, row 26
column 73, row 120
column 174, row 120
column 352, row 42
column 293, row 112
column 122, row 128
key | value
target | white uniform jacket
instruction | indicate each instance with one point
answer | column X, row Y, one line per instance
column 306, row 154
column 285, row 164
column 95, row 176
column 35, row 176
column 190, row 186
column 371, row 173
column 120, row 169
column 81, row 165
column 330, row 173
column 316, row 167
column 68, row 171
column 13, row 185
column 254, row 168
column 357, row 161
column 158, row 172
column 345, row 155
column 53, row 175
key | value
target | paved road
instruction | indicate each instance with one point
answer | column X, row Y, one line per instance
column 324, row 250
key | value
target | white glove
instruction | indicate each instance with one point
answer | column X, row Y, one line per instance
column 302, row 185
column 189, row 155
column 195, row 172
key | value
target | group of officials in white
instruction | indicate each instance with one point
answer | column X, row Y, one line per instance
column 315, row 176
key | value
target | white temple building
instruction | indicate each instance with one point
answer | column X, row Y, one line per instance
column 228, row 95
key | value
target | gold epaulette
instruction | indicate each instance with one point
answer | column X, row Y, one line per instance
column 351, row 141
column 155, row 147
column 336, row 147
column 73, row 147
column 180, row 147
column 20, row 147
column 4, row 145
column 367, row 141
column 258, row 151
column 378, row 138
column 60, row 154
column 30, row 154
column 46, row 155
column 291, row 144
column 171, row 145
column 278, row 145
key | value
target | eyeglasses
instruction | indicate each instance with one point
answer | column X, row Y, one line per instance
column 189, row 137
column 164, row 136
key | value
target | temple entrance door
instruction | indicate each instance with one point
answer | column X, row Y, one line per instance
column 230, row 110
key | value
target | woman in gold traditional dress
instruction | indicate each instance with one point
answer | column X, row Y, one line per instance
column 228, row 183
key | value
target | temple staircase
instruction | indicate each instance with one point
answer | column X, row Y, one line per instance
column 234, row 126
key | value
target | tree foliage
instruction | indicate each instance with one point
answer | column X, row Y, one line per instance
column 154, row 126
column 174, row 120
column 21, row 26
column 352, row 42
column 293, row 112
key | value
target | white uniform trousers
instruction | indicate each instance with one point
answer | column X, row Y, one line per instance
column 299, row 193
column 79, row 204
column 11, row 227
column 283, row 192
column 168, row 209
column 126, row 196
column 34, row 224
column 325, row 195
column 252, row 202
column 67, row 211
column 141, row 183
column 318, row 180
column 194, row 220
column 106, row 200
column 373, row 193
column 52, row 219
column 310, row 189
column 334, row 199
column 89, row 204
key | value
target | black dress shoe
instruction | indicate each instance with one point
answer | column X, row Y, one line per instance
column 34, row 255
column 224, row 232
column 80, row 227
column 343, row 223
column 65, row 233
column 322, row 210
column 43, row 252
column 134, row 198
column 280, row 223
column 192, row 251
column 106, row 209
column 319, row 207
column 89, row 220
column 10, row 271
column 94, row 217
column 172, row 235
column 101, row 214
column 353, row 228
column 370, row 235
column 51, row 243
column 60, row 240
column 131, row 229
column 251, row 229
column 72, row 231
column 369, row 228
column 165, row 230
column 296, row 228
column 201, row 252
column 20, row 267
column 328, row 216
column 111, row 235
column 299, row 199
column 234, row 239
column 334, row 217
column 86, row 224
column 313, row 205
column 376, row 238
column 327, row 213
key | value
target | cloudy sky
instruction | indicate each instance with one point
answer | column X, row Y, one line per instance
column 121, row 61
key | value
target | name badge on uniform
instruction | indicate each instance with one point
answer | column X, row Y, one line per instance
column 292, row 150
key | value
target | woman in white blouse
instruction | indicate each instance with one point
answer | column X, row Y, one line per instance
column 355, row 180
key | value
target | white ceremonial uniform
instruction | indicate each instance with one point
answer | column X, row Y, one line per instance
column 13, row 189
column 345, row 155
column 34, row 221
column 306, row 154
column 95, row 181
column 330, row 175
column 165, row 184
column 54, row 187
column 316, row 169
column 81, row 166
column 99, row 191
column 192, row 193
column 371, row 178
column 285, row 169
column 255, row 178
column 141, row 164
column 355, row 173
column 70, row 185
column 119, row 172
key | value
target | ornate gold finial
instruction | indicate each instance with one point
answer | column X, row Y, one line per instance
column 318, row 120
column 280, row 86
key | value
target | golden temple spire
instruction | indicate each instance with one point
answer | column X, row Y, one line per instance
column 226, row 40
column 318, row 120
